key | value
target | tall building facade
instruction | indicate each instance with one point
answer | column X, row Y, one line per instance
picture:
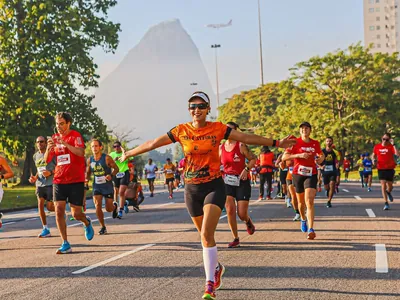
column 382, row 26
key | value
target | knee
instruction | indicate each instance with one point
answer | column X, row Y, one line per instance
column 242, row 216
column 109, row 207
column 207, row 238
column 50, row 206
column 60, row 212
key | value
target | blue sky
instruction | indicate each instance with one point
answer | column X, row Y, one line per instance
column 293, row 31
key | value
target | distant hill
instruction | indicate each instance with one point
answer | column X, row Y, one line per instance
column 150, row 87
column 229, row 93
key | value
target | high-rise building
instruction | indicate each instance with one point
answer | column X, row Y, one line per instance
column 381, row 25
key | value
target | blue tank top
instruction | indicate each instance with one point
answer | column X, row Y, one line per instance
column 367, row 165
column 99, row 169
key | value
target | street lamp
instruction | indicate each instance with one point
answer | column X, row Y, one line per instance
column 216, row 46
column 260, row 37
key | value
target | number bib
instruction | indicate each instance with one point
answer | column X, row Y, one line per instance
column 329, row 168
column 232, row 180
column 305, row 171
column 347, row 169
column 64, row 159
column 100, row 179
column 169, row 171
column 120, row 175
column 367, row 169
column 41, row 170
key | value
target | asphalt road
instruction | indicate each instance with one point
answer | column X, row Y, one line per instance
column 156, row 254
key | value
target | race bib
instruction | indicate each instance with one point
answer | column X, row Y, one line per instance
column 329, row 168
column 41, row 170
column 169, row 171
column 367, row 169
column 347, row 170
column 291, row 170
column 120, row 175
column 232, row 180
column 285, row 169
column 100, row 179
column 305, row 171
column 64, row 159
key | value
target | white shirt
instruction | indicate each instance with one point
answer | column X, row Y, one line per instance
column 150, row 170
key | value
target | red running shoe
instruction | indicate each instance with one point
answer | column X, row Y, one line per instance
column 250, row 227
column 234, row 244
column 260, row 197
column 219, row 271
column 209, row 292
column 269, row 198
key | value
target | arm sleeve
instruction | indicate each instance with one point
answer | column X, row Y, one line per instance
column 173, row 134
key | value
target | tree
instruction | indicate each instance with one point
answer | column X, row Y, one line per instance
column 178, row 152
column 46, row 66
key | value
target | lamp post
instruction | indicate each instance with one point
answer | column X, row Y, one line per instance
column 260, row 37
column 216, row 46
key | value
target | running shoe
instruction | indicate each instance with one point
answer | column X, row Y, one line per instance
column 269, row 198
column 65, row 248
column 72, row 219
column 89, row 232
column 126, row 208
column 45, row 233
column 386, row 207
column 260, row 197
column 369, row 189
column 219, row 271
column 224, row 210
column 151, row 195
column 303, row 226
column 328, row 204
column 389, row 196
column 170, row 196
column 311, row 234
column 234, row 244
column 297, row 217
column 209, row 293
column 119, row 216
column 250, row 227
column 103, row 231
column 115, row 210
column 136, row 208
column 288, row 204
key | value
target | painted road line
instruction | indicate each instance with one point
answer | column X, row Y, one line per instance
column 8, row 223
column 104, row 262
column 165, row 204
column 358, row 197
column 224, row 216
column 344, row 190
column 370, row 213
column 381, row 259
column 80, row 223
column 256, row 202
column 31, row 219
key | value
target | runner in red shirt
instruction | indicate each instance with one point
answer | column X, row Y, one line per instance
column 304, row 154
column 237, row 183
column 68, row 148
column 346, row 168
column 384, row 154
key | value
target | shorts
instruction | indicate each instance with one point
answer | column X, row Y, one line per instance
column 45, row 192
column 198, row 195
column 282, row 176
column 329, row 177
column 289, row 181
column 168, row 180
column 122, row 181
column 177, row 176
column 338, row 172
column 304, row 182
column 386, row 174
column 150, row 180
column 367, row 174
column 241, row 192
column 106, row 190
column 71, row 192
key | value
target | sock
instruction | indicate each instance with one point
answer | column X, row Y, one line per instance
column 210, row 260
column 45, row 227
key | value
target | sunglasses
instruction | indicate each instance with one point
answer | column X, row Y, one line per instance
column 40, row 142
column 116, row 146
column 385, row 139
column 193, row 106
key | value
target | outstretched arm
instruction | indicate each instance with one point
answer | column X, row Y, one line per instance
column 8, row 172
column 253, row 139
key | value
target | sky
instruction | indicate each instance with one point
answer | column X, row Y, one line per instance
column 292, row 31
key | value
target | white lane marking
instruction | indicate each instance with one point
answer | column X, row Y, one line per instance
column 370, row 213
column 344, row 190
column 165, row 204
column 224, row 216
column 381, row 259
column 31, row 219
column 358, row 197
column 78, row 224
column 256, row 202
column 8, row 223
column 102, row 263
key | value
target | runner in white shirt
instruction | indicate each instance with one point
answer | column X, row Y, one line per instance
column 150, row 170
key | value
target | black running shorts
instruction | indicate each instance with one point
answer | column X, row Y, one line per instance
column 386, row 174
column 241, row 192
column 45, row 192
column 329, row 177
column 121, row 181
column 71, row 192
column 198, row 195
column 168, row 180
column 289, row 181
column 304, row 182
column 282, row 176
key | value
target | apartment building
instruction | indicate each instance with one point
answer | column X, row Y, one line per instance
column 381, row 25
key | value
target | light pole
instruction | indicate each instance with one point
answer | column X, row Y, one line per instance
column 216, row 46
column 261, row 51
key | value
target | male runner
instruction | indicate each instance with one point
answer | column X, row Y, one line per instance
column 169, row 170
column 346, row 168
column 5, row 173
column 150, row 170
column 121, row 179
column 367, row 163
column 329, row 169
column 68, row 148
column 361, row 168
column 100, row 164
column 44, row 183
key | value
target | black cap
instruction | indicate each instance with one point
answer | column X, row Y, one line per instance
column 168, row 158
column 305, row 124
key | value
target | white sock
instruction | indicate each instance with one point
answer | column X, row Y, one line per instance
column 210, row 259
column 45, row 227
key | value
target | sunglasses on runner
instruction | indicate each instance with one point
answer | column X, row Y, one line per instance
column 384, row 139
column 193, row 106
column 40, row 142
column 117, row 146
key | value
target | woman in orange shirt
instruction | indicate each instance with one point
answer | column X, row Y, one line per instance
column 204, row 186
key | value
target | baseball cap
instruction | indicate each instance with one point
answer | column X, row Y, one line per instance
column 305, row 124
column 201, row 95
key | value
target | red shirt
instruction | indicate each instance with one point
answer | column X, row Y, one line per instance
column 302, row 166
column 346, row 164
column 70, row 168
column 266, row 162
column 385, row 156
column 233, row 161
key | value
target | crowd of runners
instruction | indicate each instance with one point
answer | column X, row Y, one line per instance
column 217, row 173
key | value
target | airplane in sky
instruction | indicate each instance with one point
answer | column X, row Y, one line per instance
column 218, row 26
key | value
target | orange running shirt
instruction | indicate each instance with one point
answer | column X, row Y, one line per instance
column 170, row 168
column 201, row 149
